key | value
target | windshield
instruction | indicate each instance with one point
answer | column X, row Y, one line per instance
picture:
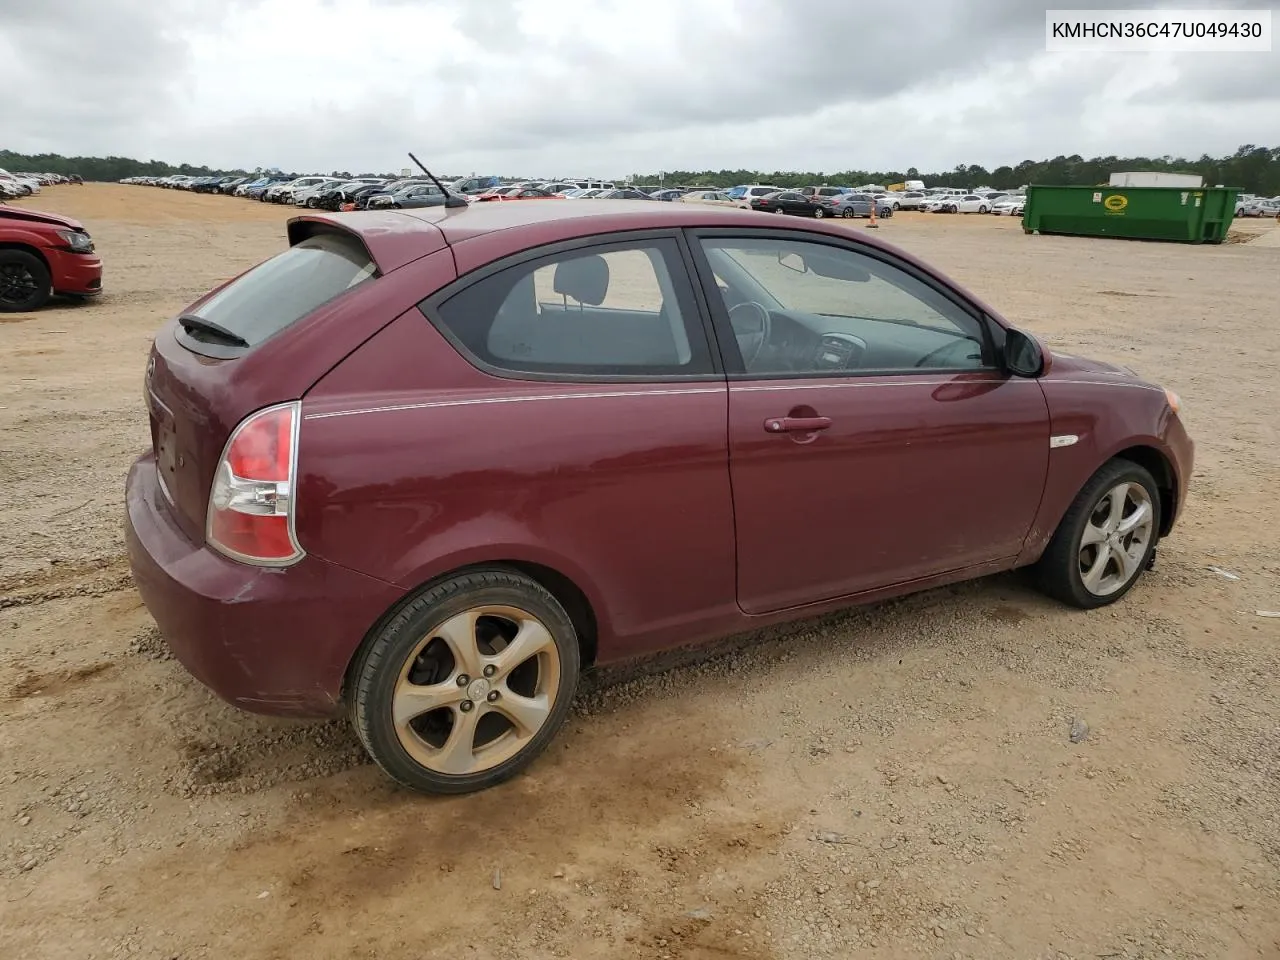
column 886, row 296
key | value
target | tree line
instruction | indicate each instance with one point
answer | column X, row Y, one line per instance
column 112, row 169
column 1252, row 168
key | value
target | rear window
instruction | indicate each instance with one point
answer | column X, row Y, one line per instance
column 278, row 293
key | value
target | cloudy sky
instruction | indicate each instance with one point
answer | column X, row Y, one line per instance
column 605, row 87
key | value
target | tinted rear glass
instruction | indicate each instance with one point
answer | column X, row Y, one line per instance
column 280, row 292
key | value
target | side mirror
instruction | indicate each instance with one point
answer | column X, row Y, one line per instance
column 1023, row 356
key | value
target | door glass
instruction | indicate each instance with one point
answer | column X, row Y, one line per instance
column 610, row 311
column 797, row 307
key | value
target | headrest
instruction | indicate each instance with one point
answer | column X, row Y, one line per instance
column 586, row 279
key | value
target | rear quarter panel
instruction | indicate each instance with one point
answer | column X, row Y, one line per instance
column 1108, row 417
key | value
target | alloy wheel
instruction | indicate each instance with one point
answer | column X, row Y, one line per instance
column 17, row 284
column 476, row 690
column 1115, row 539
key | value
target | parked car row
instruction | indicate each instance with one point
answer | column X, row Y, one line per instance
column 360, row 193
column 15, row 185
column 1250, row 206
column 315, row 192
column 963, row 203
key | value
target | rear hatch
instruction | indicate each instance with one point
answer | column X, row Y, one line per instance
column 260, row 339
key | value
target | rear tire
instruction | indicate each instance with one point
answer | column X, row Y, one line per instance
column 818, row 213
column 848, row 213
column 432, row 698
column 25, row 284
column 1105, row 540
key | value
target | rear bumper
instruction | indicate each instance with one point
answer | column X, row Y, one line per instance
column 77, row 273
column 268, row 640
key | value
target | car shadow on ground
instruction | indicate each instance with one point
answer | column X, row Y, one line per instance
column 256, row 753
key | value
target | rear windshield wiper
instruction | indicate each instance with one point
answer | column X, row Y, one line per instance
column 192, row 322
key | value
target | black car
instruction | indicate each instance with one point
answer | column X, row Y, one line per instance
column 335, row 195
column 407, row 198
column 209, row 184
column 789, row 202
column 361, row 198
column 229, row 186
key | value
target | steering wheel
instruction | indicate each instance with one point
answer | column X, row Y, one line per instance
column 751, row 325
column 925, row 360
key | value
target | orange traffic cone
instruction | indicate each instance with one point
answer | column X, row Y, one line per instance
column 872, row 222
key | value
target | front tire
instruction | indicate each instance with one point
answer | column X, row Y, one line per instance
column 848, row 213
column 818, row 213
column 467, row 683
column 25, row 284
column 1105, row 540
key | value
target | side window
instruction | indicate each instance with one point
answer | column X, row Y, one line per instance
column 616, row 310
column 798, row 307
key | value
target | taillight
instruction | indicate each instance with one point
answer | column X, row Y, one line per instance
column 251, row 503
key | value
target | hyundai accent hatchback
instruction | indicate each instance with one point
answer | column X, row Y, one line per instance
column 423, row 467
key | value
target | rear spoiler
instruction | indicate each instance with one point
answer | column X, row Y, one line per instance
column 391, row 238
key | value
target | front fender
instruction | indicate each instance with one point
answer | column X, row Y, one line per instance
column 1094, row 422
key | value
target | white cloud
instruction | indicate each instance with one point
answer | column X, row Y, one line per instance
column 604, row 87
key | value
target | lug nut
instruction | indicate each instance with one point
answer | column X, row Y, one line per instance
column 463, row 679
column 493, row 695
column 490, row 670
column 465, row 706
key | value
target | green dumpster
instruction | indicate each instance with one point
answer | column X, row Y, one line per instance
column 1137, row 213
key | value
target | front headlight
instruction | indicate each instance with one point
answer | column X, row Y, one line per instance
column 1175, row 402
column 77, row 242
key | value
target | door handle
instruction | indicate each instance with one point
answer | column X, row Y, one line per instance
column 796, row 424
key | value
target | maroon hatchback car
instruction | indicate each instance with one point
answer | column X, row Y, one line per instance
column 425, row 466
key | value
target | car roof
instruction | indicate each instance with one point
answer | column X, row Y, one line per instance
column 482, row 233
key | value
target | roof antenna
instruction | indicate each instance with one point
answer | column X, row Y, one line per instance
column 450, row 199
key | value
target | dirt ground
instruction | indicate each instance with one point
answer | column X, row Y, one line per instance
column 894, row 782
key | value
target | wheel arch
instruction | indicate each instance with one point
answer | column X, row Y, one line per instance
column 576, row 603
column 27, row 248
column 1159, row 466
column 1144, row 451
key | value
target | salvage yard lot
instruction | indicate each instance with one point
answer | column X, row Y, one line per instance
column 895, row 782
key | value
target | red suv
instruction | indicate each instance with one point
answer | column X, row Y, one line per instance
column 425, row 466
column 42, row 254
